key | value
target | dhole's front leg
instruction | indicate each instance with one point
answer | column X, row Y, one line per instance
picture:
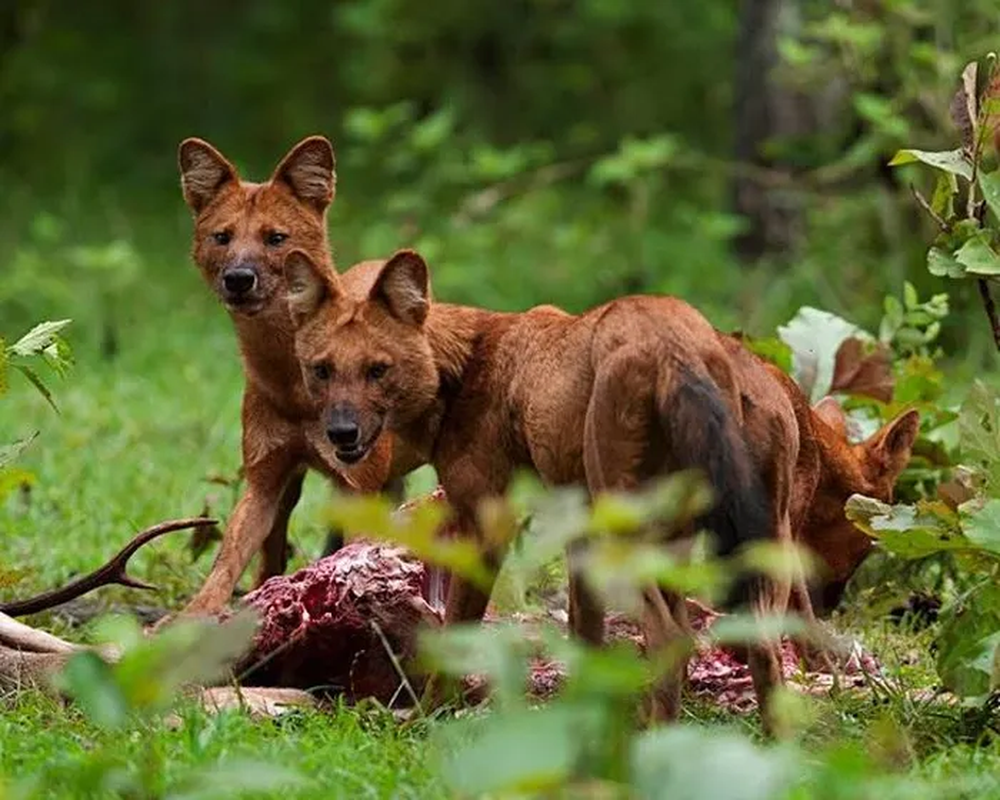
column 274, row 554
column 253, row 520
column 466, row 601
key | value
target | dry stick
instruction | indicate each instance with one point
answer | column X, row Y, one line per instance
column 399, row 668
column 991, row 309
column 111, row 573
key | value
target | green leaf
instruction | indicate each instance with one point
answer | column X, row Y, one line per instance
column 4, row 358
column 989, row 183
column 771, row 349
column 499, row 652
column 526, row 751
column 238, row 776
column 10, row 452
column 91, row 683
column 982, row 526
column 978, row 256
column 952, row 161
column 32, row 376
column 683, row 762
column 38, row 338
column 979, row 433
column 908, row 531
column 943, row 199
column 943, row 265
column 747, row 628
column 968, row 639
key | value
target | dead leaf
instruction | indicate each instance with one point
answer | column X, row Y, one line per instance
column 964, row 107
column 860, row 373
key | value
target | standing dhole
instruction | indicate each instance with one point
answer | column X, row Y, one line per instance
column 242, row 233
column 609, row 399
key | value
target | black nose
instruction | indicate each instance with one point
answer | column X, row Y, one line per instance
column 239, row 280
column 342, row 428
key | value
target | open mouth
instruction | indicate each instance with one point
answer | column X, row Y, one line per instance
column 248, row 306
column 352, row 455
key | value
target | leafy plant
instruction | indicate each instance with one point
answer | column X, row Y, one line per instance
column 44, row 343
column 965, row 204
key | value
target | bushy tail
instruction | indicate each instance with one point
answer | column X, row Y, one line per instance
column 701, row 433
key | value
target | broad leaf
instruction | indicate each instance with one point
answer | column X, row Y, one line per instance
column 967, row 642
column 527, row 751
column 91, row 682
column 982, row 526
column 943, row 199
column 908, row 531
column 979, row 434
column 943, row 265
column 978, row 256
column 683, row 762
column 38, row 338
column 815, row 336
column 989, row 182
column 953, row 161
column 237, row 777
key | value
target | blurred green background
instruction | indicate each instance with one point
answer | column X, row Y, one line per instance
column 562, row 151
column 536, row 150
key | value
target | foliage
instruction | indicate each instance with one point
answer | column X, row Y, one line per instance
column 141, row 685
column 43, row 343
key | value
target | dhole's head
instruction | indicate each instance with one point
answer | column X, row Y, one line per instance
column 362, row 346
column 870, row 468
column 243, row 231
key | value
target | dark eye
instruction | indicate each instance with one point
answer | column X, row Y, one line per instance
column 222, row 237
column 275, row 239
column 376, row 371
column 321, row 371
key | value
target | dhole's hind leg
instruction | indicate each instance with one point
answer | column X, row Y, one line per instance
column 769, row 596
column 616, row 434
column 668, row 636
column 274, row 553
column 621, row 432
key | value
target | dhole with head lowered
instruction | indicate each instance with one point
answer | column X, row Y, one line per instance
column 608, row 399
column 242, row 232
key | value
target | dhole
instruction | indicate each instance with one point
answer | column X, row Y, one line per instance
column 828, row 470
column 242, row 232
column 609, row 399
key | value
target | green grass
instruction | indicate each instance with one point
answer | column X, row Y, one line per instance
column 136, row 441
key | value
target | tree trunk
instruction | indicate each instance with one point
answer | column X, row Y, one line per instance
column 765, row 111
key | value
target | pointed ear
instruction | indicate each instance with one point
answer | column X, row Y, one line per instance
column 308, row 170
column 204, row 171
column 829, row 410
column 893, row 444
column 306, row 286
column 403, row 287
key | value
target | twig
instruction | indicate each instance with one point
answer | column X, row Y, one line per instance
column 399, row 668
column 922, row 202
column 991, row 310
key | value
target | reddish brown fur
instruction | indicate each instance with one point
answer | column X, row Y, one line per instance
column 828, row 470
column 250, row 227
column 591, row 399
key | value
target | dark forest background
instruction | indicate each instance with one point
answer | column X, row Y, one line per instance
column 535, row 150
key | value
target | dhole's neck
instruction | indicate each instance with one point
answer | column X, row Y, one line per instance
column 452, row 331
column 267, row 346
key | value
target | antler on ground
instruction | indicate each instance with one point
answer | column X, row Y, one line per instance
column 114, row 572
